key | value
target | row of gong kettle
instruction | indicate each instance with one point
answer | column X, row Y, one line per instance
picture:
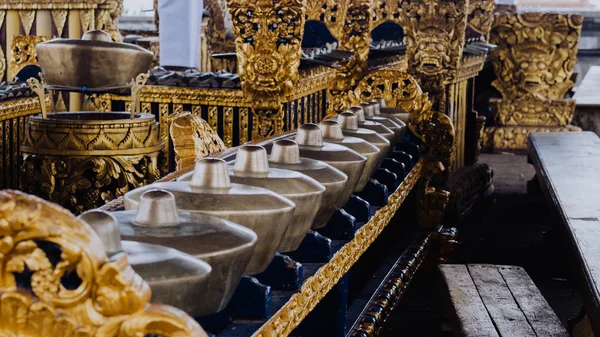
column 193, row 239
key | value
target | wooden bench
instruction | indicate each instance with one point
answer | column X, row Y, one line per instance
column 567, row 167
column 494, row 301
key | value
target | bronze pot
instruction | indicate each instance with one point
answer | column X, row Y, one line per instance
column 211, row 192
column 332, row 132
column 371, row 125
column 285, row 154
column 175, row 278
column 310, row 140
column 226, row 246
column 251, row 167
column 93, row 62
column 350, row 128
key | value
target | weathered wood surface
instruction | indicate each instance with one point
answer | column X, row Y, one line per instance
column 587, row 92
column 568, row 166
column 492, row 301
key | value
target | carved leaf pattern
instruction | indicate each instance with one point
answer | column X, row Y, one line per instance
column 112, row 300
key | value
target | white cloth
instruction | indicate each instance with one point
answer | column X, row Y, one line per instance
column 506, row 2
column 179, row 32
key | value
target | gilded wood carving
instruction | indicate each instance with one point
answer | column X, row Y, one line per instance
column 481, row 16
column 192, row 138
column 23, row 51
column 268, row 36
column 398, row 88
column 435, row 36
column 531, row 110
column 56, row 281
column 536, row 53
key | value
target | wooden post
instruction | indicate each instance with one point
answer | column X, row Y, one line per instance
column 13, row 27
column 75, row 98
column 43, row 23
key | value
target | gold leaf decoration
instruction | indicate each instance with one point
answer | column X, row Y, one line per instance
column 59, row 17
column 27, row 17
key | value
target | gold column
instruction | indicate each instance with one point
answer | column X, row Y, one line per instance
column 13, row 27
column 74, row 32
column 43, row 23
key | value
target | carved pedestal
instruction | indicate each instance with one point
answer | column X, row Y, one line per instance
column 82, row 164
column 533, row 63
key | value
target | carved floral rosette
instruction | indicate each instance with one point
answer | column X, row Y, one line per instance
column 82, row 164
column 55, row 280
column 268, row 36
column 435, row 36
column 536, row 53
column 531, row 110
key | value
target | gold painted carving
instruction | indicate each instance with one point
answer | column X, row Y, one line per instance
column 435, row 36
column 83, row 165
column 59, row 16
column 138, row 84
column 536, row 54
column 331, row 12
column 108, row 299
column 268, row 36
column 356, row 37
column 2, row 56
column 23, row 51
column 86, row 17
column 386, row 10
column 268, row 43
column 27, row 17
column 192, row 138
column 396, row 87
column 481, row 16
column 531, row 110
column 514, row 138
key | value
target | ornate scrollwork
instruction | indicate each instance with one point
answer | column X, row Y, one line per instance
column 385, row 10
column 192, row 138
column 331, row 12
column 268, row 42
column 531, row 110
column 55, row 280
column 435, row 36
column 268, row 36
column 536, row 53
column 481, row 16
column 356, row 37
column 83, row 165
column 23, row 51
column 514, row 138
column 398, row 88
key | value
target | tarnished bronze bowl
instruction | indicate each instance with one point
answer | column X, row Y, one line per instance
column 81, row 160
column 372, row 113
column 94, row 62
column 350, row 128
column 226, row 246
column 251, row 167
column 396, row 114
column 211, row 192
column 310, row 140
column 175, row 278
column 332, row 132
column 371, row 125
column 285, row 154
